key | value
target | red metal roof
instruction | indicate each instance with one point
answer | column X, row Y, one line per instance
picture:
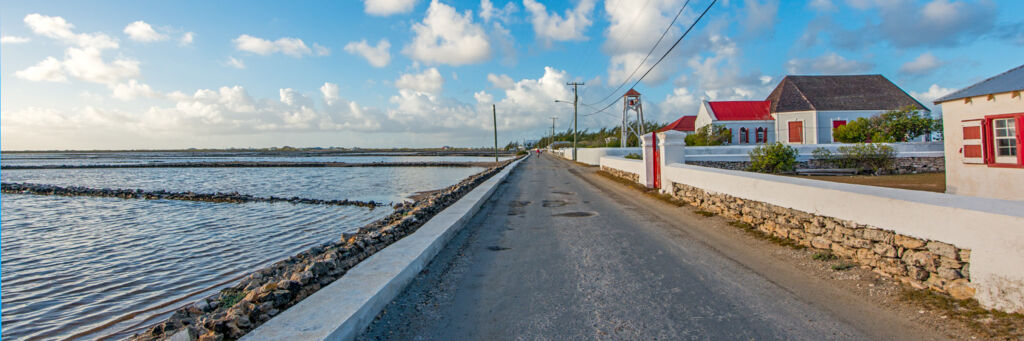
column 632, row 92
column 741, row 110
column 685, row 123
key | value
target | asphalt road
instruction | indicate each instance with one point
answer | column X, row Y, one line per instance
column 559, row 253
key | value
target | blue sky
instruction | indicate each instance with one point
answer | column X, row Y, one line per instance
column 378, row 73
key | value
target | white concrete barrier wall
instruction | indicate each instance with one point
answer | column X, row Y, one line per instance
column 626, row 165
column 742, row 152
column 592, row 156
column 993, row 229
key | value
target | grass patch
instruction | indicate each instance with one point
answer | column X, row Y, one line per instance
column 932, row 182
column 824, row 256
column 230, row 296
column 704, row 213
column 990, row 323
column 843, row 266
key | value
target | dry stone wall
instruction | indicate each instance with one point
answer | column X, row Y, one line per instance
column 921, row 263
column 622, row 174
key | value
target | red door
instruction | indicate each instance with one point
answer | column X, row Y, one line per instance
column 796, row 132
column 657, row 161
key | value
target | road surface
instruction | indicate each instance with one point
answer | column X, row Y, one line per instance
column 560, row 253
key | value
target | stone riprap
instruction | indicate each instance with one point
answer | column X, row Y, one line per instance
column 235, row 197
column 238, row 309
column 921, row 263
column 255, row 164
column 901, row 165
column 622, row 174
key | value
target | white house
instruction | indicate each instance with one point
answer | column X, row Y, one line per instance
column 807, row 109
column 982, row 126
column 749, row 121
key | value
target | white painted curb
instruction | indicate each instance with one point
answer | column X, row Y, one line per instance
column 342, row 309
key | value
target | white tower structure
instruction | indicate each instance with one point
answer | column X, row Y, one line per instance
column 631, row 104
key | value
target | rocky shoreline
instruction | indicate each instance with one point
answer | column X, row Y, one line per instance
column 236, row 310
column 235, row 197
column 256, row 164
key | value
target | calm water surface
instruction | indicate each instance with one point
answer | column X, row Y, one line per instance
column 92, row 268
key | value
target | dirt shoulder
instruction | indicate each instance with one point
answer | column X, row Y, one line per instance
column 850, row 292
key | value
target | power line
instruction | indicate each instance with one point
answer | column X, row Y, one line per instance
column 663, row 56
column 641, row 64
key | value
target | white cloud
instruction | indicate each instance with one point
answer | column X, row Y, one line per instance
column 631, row 32
column 235, row 63
column 504, row 14
column 822, row 5
column 923, row 64
column 321, row 50
column 187, row 39
column 934, row 92
column 13, row 40
column 48, row 70
column 88, row 65
column 678, row 103
column 905, row 23
column 429, row 81
column 142, row 31
column 719, row 75
column 388, row 7
column 447, row 37
column 830, row 63
column 60, row 29
column 132, row 90
column 330, row 93
column 290, row 46
column 500, row 81
column 483, row 97
column 378, row 56
column 759, row 18
column 553, row 27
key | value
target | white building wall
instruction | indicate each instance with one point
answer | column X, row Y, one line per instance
column 979, row 179
column 704, row 116
column 752, row 125
column 809, row 118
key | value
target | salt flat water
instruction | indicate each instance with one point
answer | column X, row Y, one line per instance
column 31, row 159
column 88, row 268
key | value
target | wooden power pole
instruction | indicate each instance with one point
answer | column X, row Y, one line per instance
column 575, row 123
column 494, row 114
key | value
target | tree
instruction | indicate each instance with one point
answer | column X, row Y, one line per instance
column 891, row 126
column 709, row 135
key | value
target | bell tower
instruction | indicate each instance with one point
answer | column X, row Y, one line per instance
column 630, row 105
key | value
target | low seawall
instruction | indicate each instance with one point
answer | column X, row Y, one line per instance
column 238, row 309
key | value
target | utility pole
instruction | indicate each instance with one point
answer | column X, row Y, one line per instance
column 575, row 123
column 551, row 145
column 494, row 114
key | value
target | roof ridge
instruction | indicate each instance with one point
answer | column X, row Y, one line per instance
column 951, row 96
column 802, row 95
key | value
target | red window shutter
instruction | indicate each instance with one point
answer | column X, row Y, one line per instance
column 973, row 143
column 836, row 124
column 796, row 132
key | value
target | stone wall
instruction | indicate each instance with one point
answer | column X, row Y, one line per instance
column 622, row 174
column 921, row 263
column 902, row 165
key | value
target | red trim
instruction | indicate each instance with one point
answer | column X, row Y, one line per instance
column 989, row 140
column 796, row 131
column 657, row 161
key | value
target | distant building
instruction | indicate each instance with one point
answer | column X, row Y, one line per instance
column 749, row 122
column 807, row 109
column 982, row 127
column 684, row 124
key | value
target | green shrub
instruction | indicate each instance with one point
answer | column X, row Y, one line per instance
column 824, row 256
column 634, row 156
column 874, row 156
column 891, row 126
column 773, row 158
column 522, row 152
column 709, row 135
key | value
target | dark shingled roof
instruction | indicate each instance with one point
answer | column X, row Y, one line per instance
column 856, row 92
column 1012, row 80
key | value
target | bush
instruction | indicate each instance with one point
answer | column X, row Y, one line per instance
column 634, row 156
column 892, row 126
column 709, row 135
column 773, row 158
column 874, row 156
column 522, row 152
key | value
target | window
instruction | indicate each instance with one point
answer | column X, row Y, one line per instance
column 836, row 124
column 995, row 140
column 1005, row 137
column 744, row 135
column 761, row 132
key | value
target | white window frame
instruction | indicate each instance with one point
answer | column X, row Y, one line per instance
column 1011, row 126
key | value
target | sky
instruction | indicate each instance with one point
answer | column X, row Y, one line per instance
column 417, row 73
